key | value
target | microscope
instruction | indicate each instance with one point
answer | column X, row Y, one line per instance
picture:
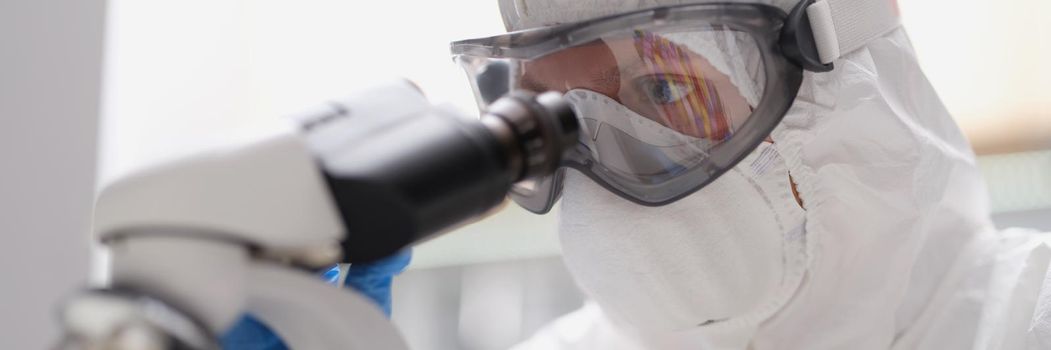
column 196, row 242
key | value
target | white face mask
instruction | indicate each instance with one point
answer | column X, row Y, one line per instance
column 729, row 255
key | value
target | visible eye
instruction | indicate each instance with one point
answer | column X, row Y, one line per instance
column 661, row 90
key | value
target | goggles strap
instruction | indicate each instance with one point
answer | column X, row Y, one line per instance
column 842, row 26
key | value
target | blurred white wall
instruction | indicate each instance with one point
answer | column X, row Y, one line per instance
column 988, row 62
column 50, row 63
column 182, row 74
column 986, row 59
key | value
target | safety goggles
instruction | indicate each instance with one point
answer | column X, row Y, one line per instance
column 669, row 98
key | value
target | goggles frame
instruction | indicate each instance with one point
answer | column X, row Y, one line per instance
column 786, row 46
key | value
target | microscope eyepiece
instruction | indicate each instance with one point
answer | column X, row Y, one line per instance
column 399, row 179
column 541, row 127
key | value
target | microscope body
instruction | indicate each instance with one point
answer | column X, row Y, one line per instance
column 195, row 243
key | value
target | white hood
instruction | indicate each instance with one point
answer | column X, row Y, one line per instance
column 894, row 201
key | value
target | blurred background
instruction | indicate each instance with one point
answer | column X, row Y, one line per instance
column 168, row 77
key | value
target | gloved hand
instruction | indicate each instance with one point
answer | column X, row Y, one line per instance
column 372, row 279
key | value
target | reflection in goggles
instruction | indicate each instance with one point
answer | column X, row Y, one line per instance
column 688, row 102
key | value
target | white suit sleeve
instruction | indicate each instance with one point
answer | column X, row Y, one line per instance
column 997, row 298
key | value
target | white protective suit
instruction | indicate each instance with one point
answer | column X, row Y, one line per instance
column 900, row 252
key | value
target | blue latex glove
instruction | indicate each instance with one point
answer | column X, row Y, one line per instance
column 372, row 279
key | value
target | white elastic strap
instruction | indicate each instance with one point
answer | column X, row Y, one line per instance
column 842, row 26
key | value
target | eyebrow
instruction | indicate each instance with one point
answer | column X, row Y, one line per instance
column 608, row 78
